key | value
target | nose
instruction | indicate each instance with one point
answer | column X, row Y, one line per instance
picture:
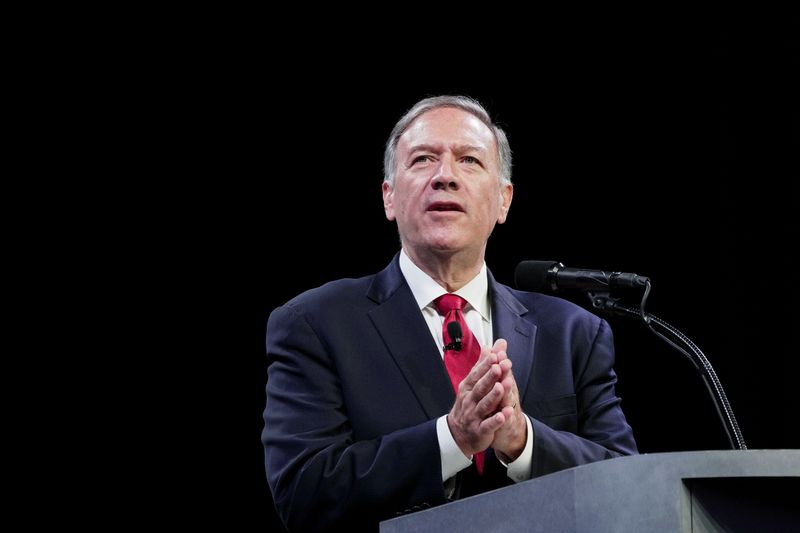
column 445, row 176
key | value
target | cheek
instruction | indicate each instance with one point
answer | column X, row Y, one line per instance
column 402, row 210
column 406, row 202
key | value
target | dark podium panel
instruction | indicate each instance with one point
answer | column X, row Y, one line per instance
column 755, row 490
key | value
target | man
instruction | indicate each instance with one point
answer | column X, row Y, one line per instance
column 365, row 418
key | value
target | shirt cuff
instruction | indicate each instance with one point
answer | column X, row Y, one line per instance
column 453, row 459
column 520, row 468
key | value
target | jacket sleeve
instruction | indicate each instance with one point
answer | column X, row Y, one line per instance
column 589, row 425
column 320, row 476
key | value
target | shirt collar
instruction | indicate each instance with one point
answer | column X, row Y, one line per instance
column 426, row 290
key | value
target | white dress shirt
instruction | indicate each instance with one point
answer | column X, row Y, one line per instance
column 478, row 315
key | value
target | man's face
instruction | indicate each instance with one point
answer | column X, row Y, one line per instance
column 446, row 195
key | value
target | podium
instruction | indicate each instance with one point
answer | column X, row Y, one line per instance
column 705, row 491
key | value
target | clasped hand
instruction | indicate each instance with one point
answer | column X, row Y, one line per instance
column 486, row 412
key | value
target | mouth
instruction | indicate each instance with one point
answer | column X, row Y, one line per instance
column 445, row 207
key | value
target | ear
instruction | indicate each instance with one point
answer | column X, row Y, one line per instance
column 388, row 200
column 506, row 194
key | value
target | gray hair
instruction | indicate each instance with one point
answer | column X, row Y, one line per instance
column 464, row 103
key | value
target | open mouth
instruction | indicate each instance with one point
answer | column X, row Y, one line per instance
column 445, row 206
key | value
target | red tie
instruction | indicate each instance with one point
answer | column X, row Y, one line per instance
column 458, row 360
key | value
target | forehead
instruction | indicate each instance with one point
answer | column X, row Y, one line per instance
column 447, row 125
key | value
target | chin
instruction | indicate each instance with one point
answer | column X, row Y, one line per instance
column 445, row 245
column 445, row 240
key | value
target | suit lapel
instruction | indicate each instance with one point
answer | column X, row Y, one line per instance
column 507, row 323
column 405, row 333
column 408, row 339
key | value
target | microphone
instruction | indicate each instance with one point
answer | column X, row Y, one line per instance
column 551, row 276
column 454, row 330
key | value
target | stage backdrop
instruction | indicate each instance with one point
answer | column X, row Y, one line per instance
column 671, row 159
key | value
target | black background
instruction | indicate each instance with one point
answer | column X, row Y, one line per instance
column 668, row 149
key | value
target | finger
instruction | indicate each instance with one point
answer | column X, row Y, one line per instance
column 484, row 363
column 484, row 385
column 491, row 401
column 510, row 400
column 507, row 380
column 506, row 376
column 487, row 354
column 511, row 396
column 500, row 345
column 487, row 360
column 493, row 423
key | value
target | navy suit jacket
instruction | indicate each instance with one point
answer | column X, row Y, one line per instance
column 356, row 383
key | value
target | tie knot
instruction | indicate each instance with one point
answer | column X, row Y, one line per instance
column 448, row 302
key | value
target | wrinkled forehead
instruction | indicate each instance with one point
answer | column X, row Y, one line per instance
column 448, row 126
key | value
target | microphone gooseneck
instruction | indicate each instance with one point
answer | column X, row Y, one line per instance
column 680, row 342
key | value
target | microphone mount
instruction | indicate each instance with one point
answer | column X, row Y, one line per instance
column 602, row 300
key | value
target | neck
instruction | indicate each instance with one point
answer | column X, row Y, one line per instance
column 451, row 270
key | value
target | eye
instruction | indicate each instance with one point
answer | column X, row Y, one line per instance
column 471, row 160
column 421, row 159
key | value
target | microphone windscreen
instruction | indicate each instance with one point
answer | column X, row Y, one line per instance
column 532, row 275
column 454, row 330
